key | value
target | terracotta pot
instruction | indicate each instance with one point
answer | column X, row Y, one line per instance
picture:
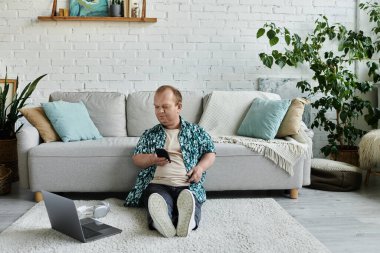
column 347, row 154
column 8, row 156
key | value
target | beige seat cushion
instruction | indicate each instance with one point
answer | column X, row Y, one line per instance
column 291, row 123
column 330, row 165
column 37, row 117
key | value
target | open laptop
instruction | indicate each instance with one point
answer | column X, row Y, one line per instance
column 64, row 218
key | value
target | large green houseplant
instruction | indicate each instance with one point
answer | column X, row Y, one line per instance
column 338, row 88
column 9, row 114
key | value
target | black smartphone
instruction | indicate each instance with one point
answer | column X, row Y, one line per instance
column 163, row 153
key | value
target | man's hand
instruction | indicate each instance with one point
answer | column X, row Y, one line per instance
column 159, row 161
column 146, row 160
column 195, row 174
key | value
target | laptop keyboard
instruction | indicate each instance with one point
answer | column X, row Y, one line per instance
column 89, row 232
column 96, row 227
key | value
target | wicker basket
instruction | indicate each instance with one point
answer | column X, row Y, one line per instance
column 5, row 179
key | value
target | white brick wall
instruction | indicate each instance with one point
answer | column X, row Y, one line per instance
column 196, row 44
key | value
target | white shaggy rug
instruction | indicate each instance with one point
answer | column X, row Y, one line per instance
column 227, row 225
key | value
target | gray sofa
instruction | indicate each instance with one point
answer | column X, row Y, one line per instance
column 105, row 165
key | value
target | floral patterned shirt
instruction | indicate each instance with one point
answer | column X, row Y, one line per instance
column 194, row 142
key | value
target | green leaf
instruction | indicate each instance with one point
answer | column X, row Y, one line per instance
column 268, row 61
column 281, row 62
column 287, row 39
column 273, row 41
column 260, row 32
column 271, row 34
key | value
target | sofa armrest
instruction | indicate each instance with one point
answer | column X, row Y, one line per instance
column 27, row 138
column 308, row 135
column 305, row 137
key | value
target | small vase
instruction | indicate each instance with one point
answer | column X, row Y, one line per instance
column 115, row 10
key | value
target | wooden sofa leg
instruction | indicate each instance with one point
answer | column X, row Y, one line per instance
column 294, row 193
column 38, row 196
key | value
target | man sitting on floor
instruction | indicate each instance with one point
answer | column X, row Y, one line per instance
column 172, row 191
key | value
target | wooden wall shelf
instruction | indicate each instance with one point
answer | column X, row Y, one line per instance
column 115, row 19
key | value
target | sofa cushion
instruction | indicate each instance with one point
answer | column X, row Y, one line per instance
column 106, row 109
column 71, row 121
column 291, row 123
column 107, row 147
column 103, row 165
column 263, row 118
column 287, row 88
column 225, row 110
column 140, row 110
column 37, row 117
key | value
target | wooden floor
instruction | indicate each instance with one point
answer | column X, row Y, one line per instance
column 343, row 221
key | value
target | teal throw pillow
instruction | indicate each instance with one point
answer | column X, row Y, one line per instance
column 263, row 118
column 71, row 121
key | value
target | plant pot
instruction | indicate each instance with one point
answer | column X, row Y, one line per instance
column 5, row 179
column 347, row 154
column 8, row 156
column 115, row 10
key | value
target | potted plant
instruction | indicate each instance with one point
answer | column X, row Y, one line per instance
column 116, row 8
column 9, row 114
column 338, row 89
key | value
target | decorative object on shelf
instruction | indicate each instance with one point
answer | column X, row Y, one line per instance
column 9, row 114
column 112, row 19
column 135, row 10
column 143, row 12
column 54, row 9
column 126, row 8
column 5, row 179
column 338, row 86
column 63, row 12
column 126, row 16
column 116, row 8
column 89, row 8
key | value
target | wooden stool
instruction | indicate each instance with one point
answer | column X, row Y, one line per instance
column 369, row 153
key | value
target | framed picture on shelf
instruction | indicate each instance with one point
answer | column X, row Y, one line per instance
column 11, row 91
column 89, row 8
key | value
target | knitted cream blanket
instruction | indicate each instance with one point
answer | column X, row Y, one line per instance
column 283, row 153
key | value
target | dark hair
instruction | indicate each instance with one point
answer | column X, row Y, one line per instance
column 176, row 92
